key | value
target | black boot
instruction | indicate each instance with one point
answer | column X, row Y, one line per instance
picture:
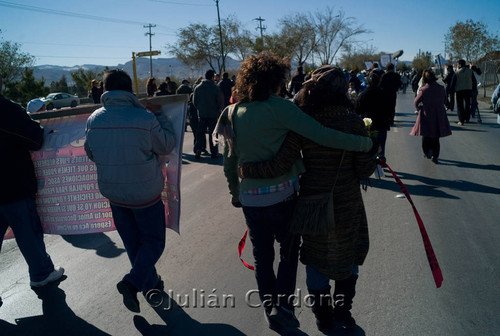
column 322, row 308
column 343, row 295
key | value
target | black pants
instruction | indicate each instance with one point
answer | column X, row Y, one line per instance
column 201, row 139
column 431, row 144
column 463, row 105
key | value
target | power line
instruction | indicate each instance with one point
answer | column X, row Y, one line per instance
column 65, row 13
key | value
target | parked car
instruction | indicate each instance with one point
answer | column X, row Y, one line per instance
column 61, row 99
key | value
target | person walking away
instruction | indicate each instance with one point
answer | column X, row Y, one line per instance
column 253, row 130
column 390, row 83
column 184, row 88
column 475, row 91
column 329, row 253
column 432, row 122
column 208, row 100
column 462, row 86
column 125, row 142
column 405, row 80
column 448, row 80
column 374, row 104
column 225, row 86
column 19, row 134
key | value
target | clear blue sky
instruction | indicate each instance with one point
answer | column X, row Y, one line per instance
column 105, row 32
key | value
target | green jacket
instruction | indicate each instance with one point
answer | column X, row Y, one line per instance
column 260, row 129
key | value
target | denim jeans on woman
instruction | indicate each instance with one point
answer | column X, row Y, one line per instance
column 143, row 234
column 23, row 219
column 265, row 225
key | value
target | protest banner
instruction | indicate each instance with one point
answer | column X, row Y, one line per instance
column 68, row 198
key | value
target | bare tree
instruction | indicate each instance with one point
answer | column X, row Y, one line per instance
column 333, row 32
column 470, row 41
column 299, row 34
column 355, row 58
column 196, row 44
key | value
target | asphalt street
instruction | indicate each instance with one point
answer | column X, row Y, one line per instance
column 458, row 200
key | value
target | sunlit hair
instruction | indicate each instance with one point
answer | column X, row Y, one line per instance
column 326, row 87
column 151, row 82
column 117, row 79
column 260, row 77
column 428, row 76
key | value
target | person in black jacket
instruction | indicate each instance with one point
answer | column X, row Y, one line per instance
column 373, row 103
column 19, row 134
column 390, row 83
column 448, row 80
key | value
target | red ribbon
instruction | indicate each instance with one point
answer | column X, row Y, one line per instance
column 241, row 246
column 431, row 257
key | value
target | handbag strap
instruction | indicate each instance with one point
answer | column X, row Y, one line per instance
column 338, row 170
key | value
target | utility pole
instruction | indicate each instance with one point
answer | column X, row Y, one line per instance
column 220, row 34
column 262, row 28
column 150, row 48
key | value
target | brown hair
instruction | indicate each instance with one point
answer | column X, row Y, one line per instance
column 260, row 76
column 327, row 87
column 428, row 76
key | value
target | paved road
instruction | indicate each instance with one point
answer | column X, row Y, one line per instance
column 458, row 201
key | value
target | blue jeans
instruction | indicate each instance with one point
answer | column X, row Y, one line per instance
column 318, row 281
column 22, row 217
column 265, row 225
column 143, row 234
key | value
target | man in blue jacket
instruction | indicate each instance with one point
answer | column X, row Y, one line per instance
column 125, row 141
column 19, row 134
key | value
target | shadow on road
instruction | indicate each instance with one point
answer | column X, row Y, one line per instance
column 461, row 164
column 179, row 323
column 57, row 320
column 102, row 244
column 433, row 187
column 203, row 159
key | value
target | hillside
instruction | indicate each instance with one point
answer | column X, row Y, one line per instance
column 162, row 67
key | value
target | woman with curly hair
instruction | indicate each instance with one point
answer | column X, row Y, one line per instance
column 328, row 252
column 253, row 130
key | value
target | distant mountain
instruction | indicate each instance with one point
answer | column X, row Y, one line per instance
column 162, row 67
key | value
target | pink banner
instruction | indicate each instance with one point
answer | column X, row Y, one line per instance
column 68, row 198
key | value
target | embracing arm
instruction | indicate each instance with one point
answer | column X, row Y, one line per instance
column 308, row 127
column 280, row 164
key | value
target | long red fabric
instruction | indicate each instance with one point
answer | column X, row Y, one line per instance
column 431, row 256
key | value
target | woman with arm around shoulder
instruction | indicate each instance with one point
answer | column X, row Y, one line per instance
column 253, row 131
column 432, row 122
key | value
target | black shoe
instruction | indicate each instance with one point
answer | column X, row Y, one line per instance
column 284, row 317
column 428, row 154
column 129, row 293
column 435, row 160
column 197, row 154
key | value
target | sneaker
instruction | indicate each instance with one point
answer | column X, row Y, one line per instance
column 284, row 317
column 56, row 274
column 129, row 293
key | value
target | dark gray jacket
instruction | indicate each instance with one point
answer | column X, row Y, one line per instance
column 208, row 99
column 124, row 140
